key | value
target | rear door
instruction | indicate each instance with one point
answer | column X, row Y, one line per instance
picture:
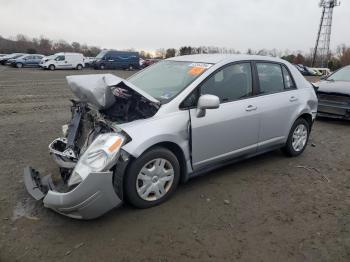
column 278, row 103
column 232, row 129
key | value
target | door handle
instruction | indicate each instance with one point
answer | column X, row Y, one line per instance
column 293, row 99
column 251, row 108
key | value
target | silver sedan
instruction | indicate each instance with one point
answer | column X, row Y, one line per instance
column 135, row 140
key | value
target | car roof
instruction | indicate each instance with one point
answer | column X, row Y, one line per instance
column 217, row 58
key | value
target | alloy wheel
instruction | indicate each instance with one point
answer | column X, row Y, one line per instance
column 299, row 138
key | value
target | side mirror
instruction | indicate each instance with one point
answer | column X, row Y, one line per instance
column 207, row 102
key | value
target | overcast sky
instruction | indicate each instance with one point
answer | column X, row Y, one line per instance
column 152, row 24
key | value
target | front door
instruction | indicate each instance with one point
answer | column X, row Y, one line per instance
column 61, row 62
column 232, row 129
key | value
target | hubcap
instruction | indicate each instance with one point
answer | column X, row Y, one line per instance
column 155, row 179
column 299, row 137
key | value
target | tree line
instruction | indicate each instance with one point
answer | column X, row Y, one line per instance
column 43, row 45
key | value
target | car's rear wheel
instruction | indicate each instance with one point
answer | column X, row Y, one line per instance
column 298, row 138
column 52, row 67
column 79, row 67
column 19, row 65
column 131, row 67
column 152, row 178
column 102, row 67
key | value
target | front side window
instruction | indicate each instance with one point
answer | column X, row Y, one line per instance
column 232, row 83
column 165, row 79
column 270, row 78
column 60, row 58
column 101, row 54
column 341, row 75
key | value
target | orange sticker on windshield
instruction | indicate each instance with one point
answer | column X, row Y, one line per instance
column 195, row 71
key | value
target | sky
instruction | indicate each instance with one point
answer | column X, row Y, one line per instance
column 152, row 24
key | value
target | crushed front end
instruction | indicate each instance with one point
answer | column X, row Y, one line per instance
column 86, row 155
column 89, row 153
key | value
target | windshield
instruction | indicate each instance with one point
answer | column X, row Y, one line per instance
column 341, row 75
column 101, row 54
column 165, row 79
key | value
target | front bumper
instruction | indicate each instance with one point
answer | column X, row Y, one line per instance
column 332, row 110
column 93, row 197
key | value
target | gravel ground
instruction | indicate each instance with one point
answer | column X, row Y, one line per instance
column 270, row 208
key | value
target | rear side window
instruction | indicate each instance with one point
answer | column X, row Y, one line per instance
column 270, row 78
column 288, row 80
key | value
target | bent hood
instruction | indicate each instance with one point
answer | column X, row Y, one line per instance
column 336, row 87
column 98, row 89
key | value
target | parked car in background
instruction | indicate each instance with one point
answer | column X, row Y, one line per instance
column 89, row 61
column 63, row 61
column 315, row 71
column 333, row 94
column 5, row 58
column 307, row 71
column 1, row 55
column 136, row 139
column 323, row 71
column 31, row 60
column 150, row 61
column 112, row 59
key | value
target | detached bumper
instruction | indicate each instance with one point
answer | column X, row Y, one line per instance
column 90, row 199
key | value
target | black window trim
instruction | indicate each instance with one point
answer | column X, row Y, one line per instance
column 255, row 81
column 281, row 65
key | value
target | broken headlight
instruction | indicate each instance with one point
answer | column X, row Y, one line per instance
column 99, row 156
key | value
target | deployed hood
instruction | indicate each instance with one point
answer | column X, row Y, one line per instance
column 334, row 87
column 101, row 90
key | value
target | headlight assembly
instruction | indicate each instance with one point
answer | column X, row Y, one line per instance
column 99, row 156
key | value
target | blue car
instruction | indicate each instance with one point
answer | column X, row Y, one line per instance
column 31, row 60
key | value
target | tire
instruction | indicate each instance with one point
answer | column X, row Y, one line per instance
column 292, row 147
column 52, row 67
column 150, row 189
column 131, row 68
column 19, row 65
column 79, row 67
column 102, row 67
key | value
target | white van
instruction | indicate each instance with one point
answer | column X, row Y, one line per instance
column 63, row 61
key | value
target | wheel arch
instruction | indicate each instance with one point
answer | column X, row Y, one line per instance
column 177, row 151
column 307, row 117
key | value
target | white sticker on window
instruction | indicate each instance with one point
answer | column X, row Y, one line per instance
column 201, row 65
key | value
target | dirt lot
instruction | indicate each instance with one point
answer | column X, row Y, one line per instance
column 270, row 208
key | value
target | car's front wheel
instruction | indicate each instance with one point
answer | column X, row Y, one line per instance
column 298, row 138
column 152, row 178
column 19, row 65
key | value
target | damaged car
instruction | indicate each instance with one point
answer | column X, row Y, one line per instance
column 135, row 140
column 333, row 93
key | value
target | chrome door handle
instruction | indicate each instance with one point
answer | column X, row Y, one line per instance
column 293, row 99
column 251, row 108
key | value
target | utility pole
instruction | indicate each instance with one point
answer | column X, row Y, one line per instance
column 321, row 51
